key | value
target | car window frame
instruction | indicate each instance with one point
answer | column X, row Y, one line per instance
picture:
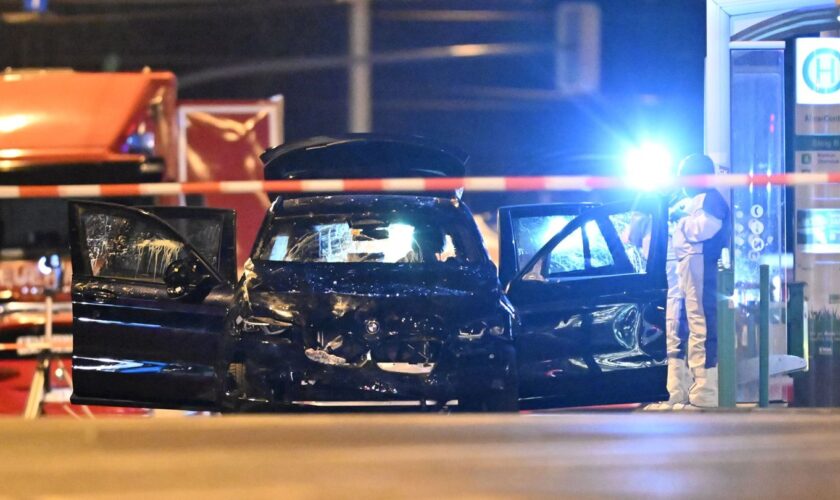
column 601, row 215
column 621, row 265
column 80, row 256
column 265, row 236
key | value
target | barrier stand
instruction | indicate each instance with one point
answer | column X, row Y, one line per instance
column 727, row 382
column 40, row 388
column 37, row 388
column 764, row 337
column 40, row 385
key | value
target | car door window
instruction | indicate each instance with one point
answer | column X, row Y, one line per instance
column 634, row 229
column 567, row 256
column 211, row 232
column 119, row 246
column 584, row 252
column 531, row 233
column 599, row 250
column 204, row 234
column 604, row 246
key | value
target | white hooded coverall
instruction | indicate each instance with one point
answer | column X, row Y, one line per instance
column 676, row 331
column 698, row 241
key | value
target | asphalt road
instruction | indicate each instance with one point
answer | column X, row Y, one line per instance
column 772, row 454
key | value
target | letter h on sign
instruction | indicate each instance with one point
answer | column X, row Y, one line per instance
column 829, row 71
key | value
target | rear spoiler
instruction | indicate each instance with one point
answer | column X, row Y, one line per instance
column 364, row 156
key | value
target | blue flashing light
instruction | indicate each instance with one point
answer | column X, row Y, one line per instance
column 648, row 166
column 35, row 5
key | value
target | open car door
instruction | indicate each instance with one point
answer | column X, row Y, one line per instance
column 591, row 306
column 151, row 291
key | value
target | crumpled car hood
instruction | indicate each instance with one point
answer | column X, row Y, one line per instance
column 309, row 293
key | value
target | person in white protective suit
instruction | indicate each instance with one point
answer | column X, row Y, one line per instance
column 698, row 241
column 676, row 326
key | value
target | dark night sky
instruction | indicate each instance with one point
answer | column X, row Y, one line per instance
column 502, row 110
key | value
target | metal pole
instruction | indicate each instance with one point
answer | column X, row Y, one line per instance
column 727, row 382
column 360, row 117
column 764, row 337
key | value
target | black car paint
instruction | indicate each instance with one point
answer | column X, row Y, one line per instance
column 132, row 352
column 416, row 308
column 134, row 343
column 420, row 307
column 138, row 344
column 597, row 340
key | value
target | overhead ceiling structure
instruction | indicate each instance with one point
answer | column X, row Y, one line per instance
column 743, row 7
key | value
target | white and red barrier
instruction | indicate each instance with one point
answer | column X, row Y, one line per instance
column 33, row 344
column 431, row 184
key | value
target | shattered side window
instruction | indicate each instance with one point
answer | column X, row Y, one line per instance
column 599, row 250
column 532, row 233
column 203, row 234
column 121, row 247
column 616, row 245
column 567, row 256
column 634, row 229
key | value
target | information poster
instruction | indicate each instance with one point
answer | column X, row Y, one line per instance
column 817, row 104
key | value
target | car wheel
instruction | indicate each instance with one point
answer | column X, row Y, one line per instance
column 237, row 371
column 234, row 388
column 501, row 398
column 490, row 402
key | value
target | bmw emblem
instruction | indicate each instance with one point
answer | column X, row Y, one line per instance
column 371, row 327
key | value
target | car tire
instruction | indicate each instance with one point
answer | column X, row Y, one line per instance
column 492, row 400
column 233, row 388
column 505, row 401
column 237, row 373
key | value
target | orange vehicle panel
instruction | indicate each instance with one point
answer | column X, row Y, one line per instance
column 87, row 121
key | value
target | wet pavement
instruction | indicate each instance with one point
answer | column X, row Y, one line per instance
column 757, row 454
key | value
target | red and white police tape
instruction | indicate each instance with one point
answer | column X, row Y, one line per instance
column 418, row 184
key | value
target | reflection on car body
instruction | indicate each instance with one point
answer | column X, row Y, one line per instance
column 366, row 299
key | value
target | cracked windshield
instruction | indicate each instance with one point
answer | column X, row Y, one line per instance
column 350, row 239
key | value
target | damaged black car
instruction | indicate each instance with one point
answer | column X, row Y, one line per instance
column 368, row 299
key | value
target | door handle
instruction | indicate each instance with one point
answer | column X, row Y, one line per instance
column 99, row 295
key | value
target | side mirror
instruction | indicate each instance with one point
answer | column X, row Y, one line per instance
column 183, row 277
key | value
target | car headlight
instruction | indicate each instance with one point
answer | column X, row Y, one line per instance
column 265, row 326
column 496, row 327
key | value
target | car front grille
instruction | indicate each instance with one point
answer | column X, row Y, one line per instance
column 392, row 340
